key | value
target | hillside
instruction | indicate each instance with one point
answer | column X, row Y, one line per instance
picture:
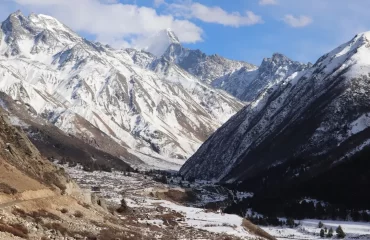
column 308, row 130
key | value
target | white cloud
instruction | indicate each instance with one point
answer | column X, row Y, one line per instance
column 297, row 22
column 158, row 3
column 214, row 14
column 113, row 23
column 267, row 2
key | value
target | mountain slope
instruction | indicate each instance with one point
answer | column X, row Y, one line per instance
column 69, row 80
column 247, row 84
column 299, row 130
column 206, row 67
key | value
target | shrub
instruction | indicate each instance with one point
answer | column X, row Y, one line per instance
column 57, row 227
column 20, row 227
column 64, row 210
column 123, row 206
column 16, row 230
column 78, row 214
column 5, row 188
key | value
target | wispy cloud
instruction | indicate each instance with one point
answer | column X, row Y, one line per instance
column 267, row 2
column 297, row 22
column 214, row 14
column 113, row 22
column 158, row 3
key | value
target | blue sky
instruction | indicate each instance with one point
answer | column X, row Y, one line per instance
column 246, row 30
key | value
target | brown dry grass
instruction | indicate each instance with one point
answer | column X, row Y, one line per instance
column 177, row 196
column 5, row 188
column 256, row 230
column 16, row 229
column 36, row 215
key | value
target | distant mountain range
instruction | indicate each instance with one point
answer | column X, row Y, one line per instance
column 155, row 108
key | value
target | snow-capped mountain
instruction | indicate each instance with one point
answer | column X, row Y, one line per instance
column 313, row 125
column 159, row 42
column 205, row 67
column 80, row 85
column 247, row 84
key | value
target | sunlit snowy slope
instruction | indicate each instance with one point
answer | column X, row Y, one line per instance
column 148, row 105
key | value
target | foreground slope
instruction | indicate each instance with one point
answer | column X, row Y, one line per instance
column 74, row 83
column 309, row 128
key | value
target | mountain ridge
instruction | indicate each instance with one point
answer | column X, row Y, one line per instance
column 297, row 131
column 166, row 113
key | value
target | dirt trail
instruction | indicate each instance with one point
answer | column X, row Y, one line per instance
column 30, row 196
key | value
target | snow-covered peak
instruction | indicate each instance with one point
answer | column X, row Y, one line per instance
column 79, row 86
column 172, row 36
column 318, row 117
column 158, row 43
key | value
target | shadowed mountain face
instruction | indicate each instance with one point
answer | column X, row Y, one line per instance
column 301, row 129
column 149, row 107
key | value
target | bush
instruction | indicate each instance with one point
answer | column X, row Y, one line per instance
column 57, row 227
column 78, row 214
column 340, row 232
column 123, row 206
column 64, row 210
column 5, row 188
column 17, row 230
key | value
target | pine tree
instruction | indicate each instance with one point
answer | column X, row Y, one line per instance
column 320, row 224
column 322, row 233
column 290, row 222
column 340, row 232
column 330, row 233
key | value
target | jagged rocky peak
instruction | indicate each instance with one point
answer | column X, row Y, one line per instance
column 172, row 36
column 307, row 127
column 159, row 42
column 34, row 34
column 247, row 84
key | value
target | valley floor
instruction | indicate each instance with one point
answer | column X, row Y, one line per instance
column 308, row 229
column 160, row 207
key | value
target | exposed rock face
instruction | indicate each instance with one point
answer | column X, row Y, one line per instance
column 247, row 84
column 19, row 152
column 207, row 68
column 311, row 123
column 152, row 109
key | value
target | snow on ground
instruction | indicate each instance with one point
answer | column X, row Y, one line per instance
column 197, row 217
column 308, row 229
column 137, row 188
column 210, row 221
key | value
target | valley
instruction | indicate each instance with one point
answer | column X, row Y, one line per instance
column 103, row 143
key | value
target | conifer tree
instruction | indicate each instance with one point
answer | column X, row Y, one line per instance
column 322, row 233
column 340, row 232
column 320, row 224
column 330, row 233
